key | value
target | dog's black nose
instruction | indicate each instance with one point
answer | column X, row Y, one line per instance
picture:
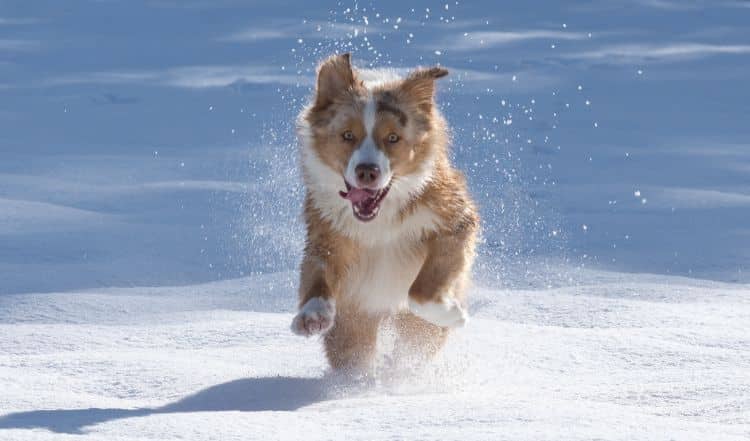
column 367, row 174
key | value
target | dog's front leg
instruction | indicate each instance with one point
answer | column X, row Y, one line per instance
column 317, row 306
column 437, row 293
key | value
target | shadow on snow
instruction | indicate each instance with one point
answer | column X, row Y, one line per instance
column 246, row 395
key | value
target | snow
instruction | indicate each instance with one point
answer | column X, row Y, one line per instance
column 652, row 357
column 150, row 227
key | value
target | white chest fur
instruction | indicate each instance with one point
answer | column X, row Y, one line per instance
column 379, row 281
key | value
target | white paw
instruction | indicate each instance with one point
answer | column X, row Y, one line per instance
column 315, row 317
column 447, row 313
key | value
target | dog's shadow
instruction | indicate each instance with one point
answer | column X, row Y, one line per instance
column 248, row 395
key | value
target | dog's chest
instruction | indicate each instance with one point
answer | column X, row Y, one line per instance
column 379, row 281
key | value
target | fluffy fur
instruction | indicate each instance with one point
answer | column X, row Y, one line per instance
column 412, row 260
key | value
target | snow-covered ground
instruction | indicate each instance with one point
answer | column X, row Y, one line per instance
column 621, row 358
column 150, row 231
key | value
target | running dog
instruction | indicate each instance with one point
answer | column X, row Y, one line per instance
column 391, row 227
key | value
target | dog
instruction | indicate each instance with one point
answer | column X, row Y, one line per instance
column 391, row 227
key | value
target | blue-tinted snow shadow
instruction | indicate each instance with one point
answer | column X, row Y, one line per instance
column 244, row 395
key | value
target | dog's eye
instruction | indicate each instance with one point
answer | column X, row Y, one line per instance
column 392, row 138
column 348, row 135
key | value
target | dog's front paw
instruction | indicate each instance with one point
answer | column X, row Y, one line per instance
column 315, row 317
column 447, row 312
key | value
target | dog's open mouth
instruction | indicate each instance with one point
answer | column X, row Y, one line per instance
column 365, row 201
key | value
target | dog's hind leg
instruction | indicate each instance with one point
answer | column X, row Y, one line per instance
column 351, row 342
column 418, row 340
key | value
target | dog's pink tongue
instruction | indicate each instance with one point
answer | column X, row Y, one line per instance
column 356, row 195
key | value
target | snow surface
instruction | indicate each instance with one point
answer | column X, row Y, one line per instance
column 150, row 221
column 624, row 357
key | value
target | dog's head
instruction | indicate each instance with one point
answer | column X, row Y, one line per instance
column 374, row 135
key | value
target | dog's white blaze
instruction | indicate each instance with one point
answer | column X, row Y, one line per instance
column 368, row 115
column 368, row 152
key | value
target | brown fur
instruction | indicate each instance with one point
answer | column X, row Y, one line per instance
column 331, row 255
column 350, row 344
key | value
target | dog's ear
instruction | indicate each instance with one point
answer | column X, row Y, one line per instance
column 335, row 75
column 419, row 86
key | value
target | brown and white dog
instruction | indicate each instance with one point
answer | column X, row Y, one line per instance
column 391, row 227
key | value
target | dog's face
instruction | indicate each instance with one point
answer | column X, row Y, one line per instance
column 373, row 137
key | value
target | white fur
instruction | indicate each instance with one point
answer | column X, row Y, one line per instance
column 405, row 188
column 448, row 312
column 368, row 114
column 380, row 279
column 315, row 317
